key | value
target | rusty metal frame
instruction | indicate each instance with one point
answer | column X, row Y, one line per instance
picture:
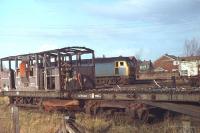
column 58, row 54
column 186, row 102
column 65, row 51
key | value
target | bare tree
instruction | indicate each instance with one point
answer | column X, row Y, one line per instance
column 138, row 56
column 192, row 47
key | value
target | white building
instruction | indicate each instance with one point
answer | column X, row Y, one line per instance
column 189, row 66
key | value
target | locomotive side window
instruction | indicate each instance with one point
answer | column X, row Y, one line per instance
column 116, row 64
column 116, row 72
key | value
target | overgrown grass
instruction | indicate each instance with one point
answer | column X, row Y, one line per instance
column 30, row 121
column 34, row 122
column 98, row 125
column 37, row 122
column 5, row 116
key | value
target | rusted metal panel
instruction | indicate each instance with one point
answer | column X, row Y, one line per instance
column 56, row 104
column 43, row 94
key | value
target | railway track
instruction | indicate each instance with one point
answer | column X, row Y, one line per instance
column 70, row 126
column 133, row 88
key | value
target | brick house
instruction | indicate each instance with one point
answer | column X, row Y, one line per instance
column 167, row 63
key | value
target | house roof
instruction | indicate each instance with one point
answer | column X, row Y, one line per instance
column 171, row 56
column 189, row 58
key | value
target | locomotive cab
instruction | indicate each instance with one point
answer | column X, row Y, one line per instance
column 121, row 68
column 126, row 70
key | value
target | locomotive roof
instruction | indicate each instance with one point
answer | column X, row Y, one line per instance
column 109, row 59
column 63, row 51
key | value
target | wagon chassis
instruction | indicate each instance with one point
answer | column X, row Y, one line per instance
column 183, row 101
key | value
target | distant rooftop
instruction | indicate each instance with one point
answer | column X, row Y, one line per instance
column 171, row 56
column 189, row 58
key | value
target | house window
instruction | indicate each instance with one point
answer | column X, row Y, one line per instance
column 175, row 63
column 184, row 72
column 121, row 63
column 144, row 67
column 174, row 70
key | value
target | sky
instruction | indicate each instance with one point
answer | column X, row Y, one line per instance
column 142, row 28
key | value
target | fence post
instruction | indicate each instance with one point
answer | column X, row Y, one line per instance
column 15, row 118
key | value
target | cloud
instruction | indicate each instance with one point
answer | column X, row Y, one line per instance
column 162, row 11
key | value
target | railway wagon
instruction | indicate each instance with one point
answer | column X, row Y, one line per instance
column 49, row 70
